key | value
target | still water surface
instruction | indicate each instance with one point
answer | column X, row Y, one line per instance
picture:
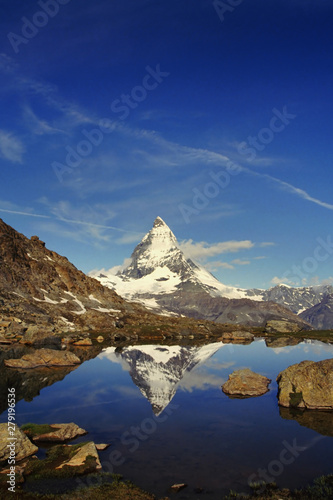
column 168, row 421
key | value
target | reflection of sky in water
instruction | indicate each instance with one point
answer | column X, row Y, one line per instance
column 207, row 439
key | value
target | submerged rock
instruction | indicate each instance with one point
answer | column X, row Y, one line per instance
column 246, row 383
column 308, row 384
column 22, row 446
column 44, row 357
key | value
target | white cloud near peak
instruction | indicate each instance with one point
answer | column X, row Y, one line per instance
column 203, row 250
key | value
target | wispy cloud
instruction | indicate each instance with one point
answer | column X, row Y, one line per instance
column 28, row 214
column 90, row 222
column 203, row 250
column 11, row 148
column 299, row 192
column 267, row 244
column 38, row 125
column 216, row 264
column 240, row 262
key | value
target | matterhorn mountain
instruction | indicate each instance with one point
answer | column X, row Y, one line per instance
column 157, row 370
column 159, row 267
column 162, row 278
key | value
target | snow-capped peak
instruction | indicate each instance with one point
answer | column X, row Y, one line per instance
column 158, row 249
column 158, row 267
column 159, row 222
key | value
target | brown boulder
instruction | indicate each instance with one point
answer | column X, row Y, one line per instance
column 308, row 384
column 246, row 383
column 22, row 445
column 283, row 326
column 44, row 357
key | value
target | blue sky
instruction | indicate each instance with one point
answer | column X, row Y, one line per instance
column 216, row 116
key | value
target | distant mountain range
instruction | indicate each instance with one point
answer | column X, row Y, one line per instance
column 162, row 278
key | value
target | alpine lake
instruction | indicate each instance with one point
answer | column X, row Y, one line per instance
column 162, row 409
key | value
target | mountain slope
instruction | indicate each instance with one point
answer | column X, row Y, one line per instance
column 40, row 287
column 162, row 278
column 320, row 316
column 297, row 299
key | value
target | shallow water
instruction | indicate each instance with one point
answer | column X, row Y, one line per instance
column 168, row 421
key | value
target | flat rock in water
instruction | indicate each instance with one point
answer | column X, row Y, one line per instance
column 246, row 383
column 86, row 452
column 83, row 342
column 308, row 384
column 61, row 433
column 44, row 357
column 23, row 446
column 178, row 487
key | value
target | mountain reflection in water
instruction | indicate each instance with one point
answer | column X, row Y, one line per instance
column 162, row 409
